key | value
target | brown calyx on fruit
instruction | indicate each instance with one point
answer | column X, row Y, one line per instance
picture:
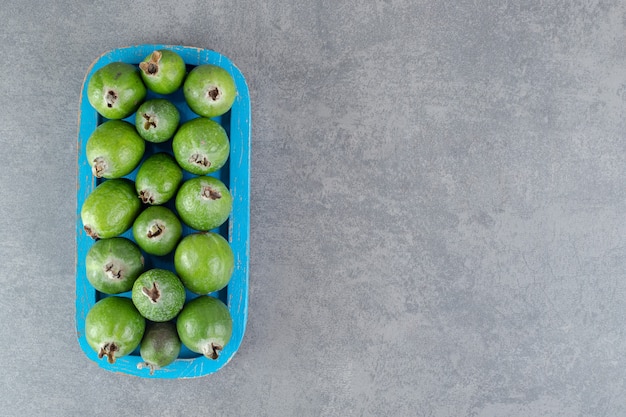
column 209, row 193
column 151, row 366
column 113, row 271
column 90, row 232
column 155, row 230
column 110, row 98
column 152, row 293
column 150, row 121
column 151, row 67
column 200, row 160
column 146, row 197
column 108, row 350
column 99, row 167
column 213, row 93
column 212, row 351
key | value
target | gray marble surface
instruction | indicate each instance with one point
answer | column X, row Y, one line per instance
column 438, row 206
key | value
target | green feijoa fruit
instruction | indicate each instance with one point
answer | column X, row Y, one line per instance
column 113, row 265
column 203, row 203
column 205, row 326
column 156, row 120
column 158, row 294
column 116, row 90
column 114, row 327
column 209, row 90
column 160, row 346
column 110, row 209
column 163, row 71
column 157, row 230
column 158, row 178
column 201, row 146
column 204, row 262
column 114, row 149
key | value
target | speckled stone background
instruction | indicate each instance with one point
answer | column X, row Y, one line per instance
column 438, row 207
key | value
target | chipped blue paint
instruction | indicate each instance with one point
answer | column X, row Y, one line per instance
column 236, row 175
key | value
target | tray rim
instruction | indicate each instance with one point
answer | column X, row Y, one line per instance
column 238, row 223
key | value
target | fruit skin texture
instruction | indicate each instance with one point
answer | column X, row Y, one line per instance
column 114, row 149
column 160, row 346
column 157, row 120
column 113, row 265
column 209, row 90
column 205, row 326
column 158, row 294
column 163, row 71
column 110, row 209
column 114, row 327
column 116, row 90
column 157, row 230
column 158, row 179
column 201, row 146
column 204, row 262
column 203, row 203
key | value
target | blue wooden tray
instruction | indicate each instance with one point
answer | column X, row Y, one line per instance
column 236, row 175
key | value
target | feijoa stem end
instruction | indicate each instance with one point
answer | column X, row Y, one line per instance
column 113, row 271
column 200, row 160
column 146, row 196
column 214, row 94
column 99, row 167
column 150, row 121
column 151, row 67
column 210, row 193
column 91, row 232
column 212, row 351
column 110, row 98
column 152, row 293
column 150, row 366
column 108, row 350
column 155, row 230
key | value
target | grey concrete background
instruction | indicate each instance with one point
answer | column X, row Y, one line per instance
column 438, row 207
